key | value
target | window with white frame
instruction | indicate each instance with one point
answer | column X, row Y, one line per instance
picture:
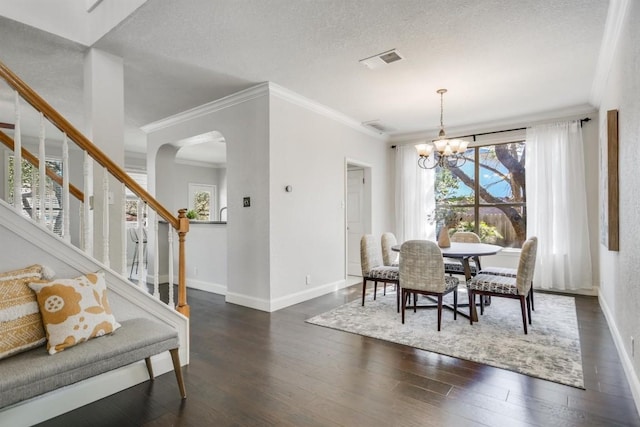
column 201, row 201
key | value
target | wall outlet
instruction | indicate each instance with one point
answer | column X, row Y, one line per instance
column 308, row 279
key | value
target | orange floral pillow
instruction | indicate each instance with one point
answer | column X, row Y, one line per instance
column 74, row 310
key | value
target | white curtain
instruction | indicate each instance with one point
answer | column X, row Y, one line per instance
column 415, row 197
column 557, row 206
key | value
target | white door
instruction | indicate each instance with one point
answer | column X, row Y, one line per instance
column 355, row 220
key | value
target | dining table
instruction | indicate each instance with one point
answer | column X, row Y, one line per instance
column 464, row 252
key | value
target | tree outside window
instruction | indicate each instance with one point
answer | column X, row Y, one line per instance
column 30, row 187
column 487, row 194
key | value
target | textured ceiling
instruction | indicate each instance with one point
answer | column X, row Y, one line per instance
column 500, row 60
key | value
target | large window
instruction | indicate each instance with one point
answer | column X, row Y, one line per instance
column 486, row 195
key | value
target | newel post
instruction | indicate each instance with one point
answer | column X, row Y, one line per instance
column 183, row 229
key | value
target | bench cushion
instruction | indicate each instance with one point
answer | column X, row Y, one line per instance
column 36, row 372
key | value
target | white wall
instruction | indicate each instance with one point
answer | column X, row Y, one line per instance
column 620, row 293
column 308, row 152
column 276, row 138
column 244, row 124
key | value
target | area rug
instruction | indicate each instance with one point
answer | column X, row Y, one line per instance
column 550, row 351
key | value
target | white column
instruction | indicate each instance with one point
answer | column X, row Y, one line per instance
column 104, row 107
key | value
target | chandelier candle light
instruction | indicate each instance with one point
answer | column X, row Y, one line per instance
column 447, row 153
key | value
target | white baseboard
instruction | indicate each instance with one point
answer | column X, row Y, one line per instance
column 248, row 301
column 214, row 288
column 632, row 377
column 207, row 286
column 287, row 300
column 58, row 402
column 307, row 294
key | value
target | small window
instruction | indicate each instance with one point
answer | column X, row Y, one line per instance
column 131, row 204
column 201, row 201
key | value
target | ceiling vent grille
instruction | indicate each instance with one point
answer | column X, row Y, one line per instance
column 377, row 126
column 381, row 59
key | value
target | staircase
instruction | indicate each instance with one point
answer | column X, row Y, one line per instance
column 51, row 223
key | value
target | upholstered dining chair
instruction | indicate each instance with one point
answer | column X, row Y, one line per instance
column 422, row 272
column 389, row 257
column 509, row 272
column 373, row 268
column 454, row 266
column 517, row 287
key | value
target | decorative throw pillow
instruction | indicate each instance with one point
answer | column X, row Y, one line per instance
column 74, row 310
column 20, row 321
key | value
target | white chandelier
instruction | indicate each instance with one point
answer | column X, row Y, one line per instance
column 442, row 152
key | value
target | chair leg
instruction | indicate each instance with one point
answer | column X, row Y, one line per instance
column 528, row 301
column 472, row 301
column 175, row 358
column 384, row 288
column 147, row 361
column 481, row 305
column 375, row 289
column 455, row 304
column 524, row 313
column 439, row 311
column 415, row 302
column 397, row 298
column 364, row 289
column 405, row 294
column 533, row 308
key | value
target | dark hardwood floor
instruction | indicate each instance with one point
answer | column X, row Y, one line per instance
column 251, row 368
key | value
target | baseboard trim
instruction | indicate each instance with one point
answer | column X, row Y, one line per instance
column 248, row 301
column 214, row 288
column 632, row 377
column 307, row 294
column 287, row 300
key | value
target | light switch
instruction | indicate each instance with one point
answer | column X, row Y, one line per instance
column 246, row 202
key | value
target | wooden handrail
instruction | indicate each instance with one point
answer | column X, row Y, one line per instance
column 83, row 142
column 180, row 223
column 26, row 154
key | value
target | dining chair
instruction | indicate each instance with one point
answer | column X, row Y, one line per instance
column 509, row 272
column 373, row 268
column 422, row 272
column 454, row 266
column 389, row 256
column 517, row 287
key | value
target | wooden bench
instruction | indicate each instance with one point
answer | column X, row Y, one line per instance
column 35, row 372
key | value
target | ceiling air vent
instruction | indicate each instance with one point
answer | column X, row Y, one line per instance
column 377, row 126
column 381, row 59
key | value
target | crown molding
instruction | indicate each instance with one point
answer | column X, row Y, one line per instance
column 262, row 89
column 245, row 95
column 612, row 30
column 201, row 164
column 323, row 110
column 569, row 113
